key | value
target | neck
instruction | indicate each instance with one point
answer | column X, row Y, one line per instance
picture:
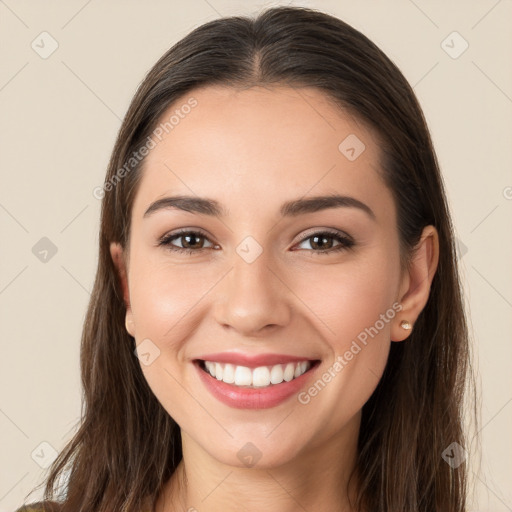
column 316, row 479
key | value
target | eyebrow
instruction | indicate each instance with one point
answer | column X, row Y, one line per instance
column 293, row 208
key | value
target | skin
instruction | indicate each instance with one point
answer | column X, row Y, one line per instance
column 252, row 150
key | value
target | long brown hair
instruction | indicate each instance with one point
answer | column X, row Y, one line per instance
column 127, row 445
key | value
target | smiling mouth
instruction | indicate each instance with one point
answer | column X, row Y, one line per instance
column 256, row 378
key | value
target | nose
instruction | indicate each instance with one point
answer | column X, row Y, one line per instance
column 253, row 298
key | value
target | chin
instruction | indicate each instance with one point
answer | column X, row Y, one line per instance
column 255, row 454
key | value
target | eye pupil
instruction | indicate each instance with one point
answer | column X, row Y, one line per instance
column 187, row 243
column 322, row 244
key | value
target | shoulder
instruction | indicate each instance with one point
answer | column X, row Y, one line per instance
column 40, row 506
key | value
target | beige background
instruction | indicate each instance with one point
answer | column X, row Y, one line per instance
column 60, row 116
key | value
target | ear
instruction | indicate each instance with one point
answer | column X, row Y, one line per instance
column 118, row 257
column 416, row 282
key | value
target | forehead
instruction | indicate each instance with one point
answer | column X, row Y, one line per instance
column 257, row 145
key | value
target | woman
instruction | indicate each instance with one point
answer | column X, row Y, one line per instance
column 276, row 321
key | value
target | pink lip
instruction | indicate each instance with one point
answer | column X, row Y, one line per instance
column 253, row 398
column 252, row 361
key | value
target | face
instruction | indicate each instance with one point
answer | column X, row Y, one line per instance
column 263, row 276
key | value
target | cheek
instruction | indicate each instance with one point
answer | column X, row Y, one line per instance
column 165, row 301
column 358, row 312
column 164, row 296
column 348, row 300
column 354, row 305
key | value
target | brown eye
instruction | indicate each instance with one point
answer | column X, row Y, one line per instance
column 192, row 241
column 189, row 241
column 322, row 242
column 327, row 242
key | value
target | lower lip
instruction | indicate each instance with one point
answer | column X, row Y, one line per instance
column 253, row 398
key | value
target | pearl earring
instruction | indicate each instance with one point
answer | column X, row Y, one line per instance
column 404, row 324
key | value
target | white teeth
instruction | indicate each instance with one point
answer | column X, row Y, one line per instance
column 276, row 374
column 210, row 367
column 289, row 372
column 229, row 374
column 243, row 376
column 260, row 377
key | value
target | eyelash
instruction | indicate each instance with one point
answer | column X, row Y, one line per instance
column 344, row 241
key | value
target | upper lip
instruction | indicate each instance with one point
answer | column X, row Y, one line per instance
column 253, row 360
